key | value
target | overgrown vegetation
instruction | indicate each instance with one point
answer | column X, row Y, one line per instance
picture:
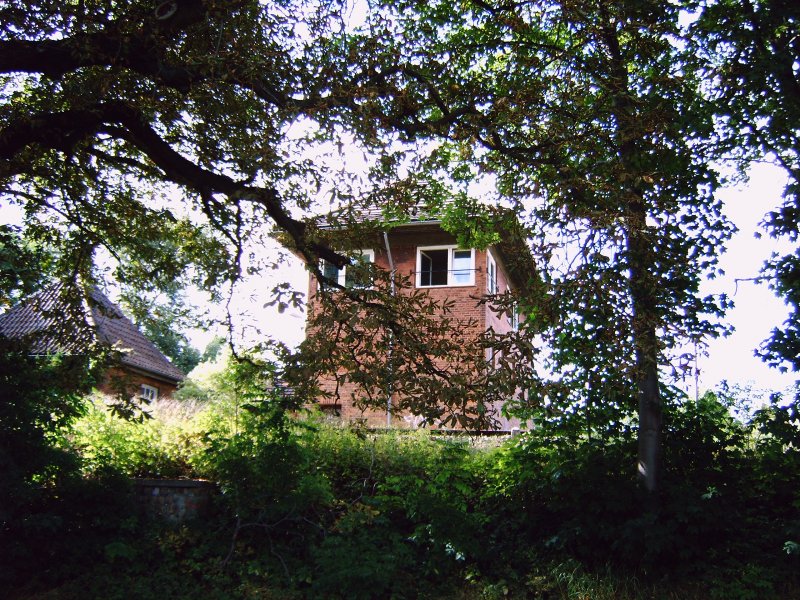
column 313, row 510
column 173, row 136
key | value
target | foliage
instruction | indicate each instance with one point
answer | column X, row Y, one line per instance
column 405, row 509
column 164, row 136
column 63, row 528
column 164, row 317
column 179, row 135
column 41, row 396
column 472, row 224
column 263, row 474
column 752, row 51
column 578, row 496
column 22, row 266
column 162, row 445
column 314, row 511
column 393, row 340
column 213, row 349
column 168, row 137
column 592, row 114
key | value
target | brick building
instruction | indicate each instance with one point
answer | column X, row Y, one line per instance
column 420, row 250
column 61, row 320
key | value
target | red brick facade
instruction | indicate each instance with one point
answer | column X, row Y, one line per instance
column 118, row 379
column 405, row 242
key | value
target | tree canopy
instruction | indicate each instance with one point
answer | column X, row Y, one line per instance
column 106, row 107
column 177, row 135
column 592, row 113
column 752, row 50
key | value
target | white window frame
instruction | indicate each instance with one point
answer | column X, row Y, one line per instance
column 450, row 279
column 492, row 286
column 148, row 393
column 341, row 274
column 513, row 315
column 513, row 318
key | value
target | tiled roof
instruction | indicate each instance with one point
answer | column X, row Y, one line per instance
column 115, row 329
column 350, row 216
column 61, row 319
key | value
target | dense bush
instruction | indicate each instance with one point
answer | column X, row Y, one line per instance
column 725, row 514
column 163, row 444
column 310, row 510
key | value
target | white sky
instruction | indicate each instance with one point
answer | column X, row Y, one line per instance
column 757, row 310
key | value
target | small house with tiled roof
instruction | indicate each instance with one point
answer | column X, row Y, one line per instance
column 64, row 319
column 417, row 247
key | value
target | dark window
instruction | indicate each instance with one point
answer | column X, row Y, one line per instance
column 355, row 275
column 433, row 267
column 358, row 274
column 330, row 271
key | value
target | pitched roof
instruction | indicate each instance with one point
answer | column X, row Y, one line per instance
column 62, row 319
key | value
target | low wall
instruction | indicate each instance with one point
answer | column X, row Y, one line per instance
column 174, row 500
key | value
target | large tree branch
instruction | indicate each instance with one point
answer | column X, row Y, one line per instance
column 142, row 51
column 64, row 130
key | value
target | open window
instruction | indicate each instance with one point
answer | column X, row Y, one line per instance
column 354, row 276
column 441, row 266
column 491, row 274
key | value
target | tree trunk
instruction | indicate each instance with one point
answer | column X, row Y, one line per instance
column 641, row 261
column 645, row 341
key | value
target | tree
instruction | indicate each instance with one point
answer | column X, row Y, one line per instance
column 753, row 48
column 436, row 370
column 594, row 110
column 22, row 266
column 105, row 104
column 213, row 349
column 175, row 137
column 592, row 107
column 41, row 395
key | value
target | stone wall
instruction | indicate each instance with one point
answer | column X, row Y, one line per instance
column 174, row 500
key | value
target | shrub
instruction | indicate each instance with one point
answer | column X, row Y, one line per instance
column 162, row 445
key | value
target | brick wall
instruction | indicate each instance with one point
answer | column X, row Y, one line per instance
column 116, row 379
column 465, row 301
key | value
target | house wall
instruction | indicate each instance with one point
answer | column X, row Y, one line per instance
column 117, row 378
column 500, row 323
column 465, row 302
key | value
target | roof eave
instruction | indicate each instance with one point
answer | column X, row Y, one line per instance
column 151, row 374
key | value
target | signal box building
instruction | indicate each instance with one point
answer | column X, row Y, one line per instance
column 430, row 258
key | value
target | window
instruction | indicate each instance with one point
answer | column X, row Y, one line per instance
column 513, row 315
column 148, row 393
column 440, row 266
column 491, row 274
column 513, row 318
column 352, row 277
